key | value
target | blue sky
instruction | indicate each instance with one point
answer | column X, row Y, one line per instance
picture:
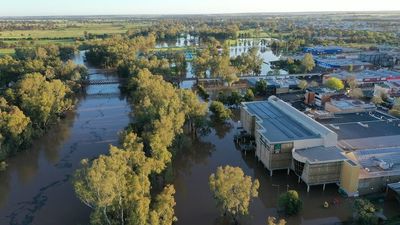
column 97, row 7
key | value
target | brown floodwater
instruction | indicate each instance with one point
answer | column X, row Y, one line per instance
column 36, row 187
column 196, row 206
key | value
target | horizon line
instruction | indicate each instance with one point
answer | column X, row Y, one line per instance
column 208, row 14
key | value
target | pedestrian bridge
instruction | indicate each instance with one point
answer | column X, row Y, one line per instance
column 102, row 82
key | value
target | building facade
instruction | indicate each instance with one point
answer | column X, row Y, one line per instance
column 279, row 129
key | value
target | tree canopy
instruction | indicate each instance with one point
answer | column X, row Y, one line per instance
column 356, row 93
column 14, row 127
column 303, row 84
column 219, row 111
column 290, row 202
column 233, row 190
column 308, row 62
column 249, row 62
column 273, row 221
column 365, row 212
column 117, row 186
column 334, row 83
column 37, row 84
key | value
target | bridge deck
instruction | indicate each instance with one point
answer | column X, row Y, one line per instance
column 102, row 81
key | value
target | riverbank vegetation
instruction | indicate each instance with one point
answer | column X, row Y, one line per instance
column 37, row 88
column 120, row 53
column 128, row 185
column 118, row 186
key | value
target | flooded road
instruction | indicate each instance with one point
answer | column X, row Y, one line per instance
column 36, row 188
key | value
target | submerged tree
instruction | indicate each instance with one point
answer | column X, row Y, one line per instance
column 117, row 188
column 221, row 68
column 219, row 111
column 290, row 202
column 195, row 110
column 233, row 190
column 43, row 101
column 249, row 62
column 14, row 128
column 273, row 221
column 365, row 212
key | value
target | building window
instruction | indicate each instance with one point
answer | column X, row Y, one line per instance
column 298, row 167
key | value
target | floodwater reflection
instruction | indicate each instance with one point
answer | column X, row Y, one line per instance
column 195, row 204
column 36, row 188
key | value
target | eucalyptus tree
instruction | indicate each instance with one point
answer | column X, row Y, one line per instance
column 233, row 190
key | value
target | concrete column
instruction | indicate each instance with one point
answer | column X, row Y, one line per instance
column 308, row 188
column 288, row 171
column 323, row 187
column 270, row 173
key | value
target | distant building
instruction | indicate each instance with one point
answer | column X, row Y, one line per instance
column 323, row 50
column 342, row 63
column 383, row 59
column 282, row 85
column 366, row 77
column 390, row 88
column 328, row 50
column 318, row 95
column 277, row 84
column 341, row 106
